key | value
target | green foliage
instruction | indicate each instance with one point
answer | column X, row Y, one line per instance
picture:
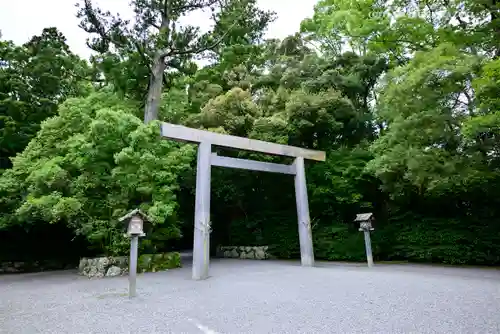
column 403, row 97
column 34, row 78
column 438, row 240
column 420, row 146
column 415, row 239
column 158, row 262
column 339, row 188
column 339, row 243
column 91, row 164
column 155, row 49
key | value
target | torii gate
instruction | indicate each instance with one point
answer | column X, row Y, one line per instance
column 207, row 159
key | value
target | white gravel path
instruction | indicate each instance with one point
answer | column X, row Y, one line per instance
column 245, row 296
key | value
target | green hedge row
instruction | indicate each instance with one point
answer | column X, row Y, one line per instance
column 413, row 239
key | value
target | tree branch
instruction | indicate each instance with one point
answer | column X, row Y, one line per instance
column 172, row 52
column 141, row 52
column 191, row 7
column 431, row 12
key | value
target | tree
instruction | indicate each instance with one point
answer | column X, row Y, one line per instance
column 158, row 44
column 291, row 96
column 91, row 164
column 421, row 145
column 34, row 78
column 400, row 28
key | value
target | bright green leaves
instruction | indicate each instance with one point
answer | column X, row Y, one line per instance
column 482, row 129
column 234, row 111
column 397, row 29
column 87, row 173
column 487, row 87
column 355, row 24
column 423, row 107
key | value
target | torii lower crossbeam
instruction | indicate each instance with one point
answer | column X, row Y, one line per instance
column 207, row 159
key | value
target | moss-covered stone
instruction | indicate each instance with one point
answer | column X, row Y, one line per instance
column 174, row 260
column 99, row 267
column 144, row 263
column 158, row 262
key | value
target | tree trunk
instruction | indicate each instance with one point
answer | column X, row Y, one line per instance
column 155, row 89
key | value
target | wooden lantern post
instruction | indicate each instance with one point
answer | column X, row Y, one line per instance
column 134, row 221
column 365, row 225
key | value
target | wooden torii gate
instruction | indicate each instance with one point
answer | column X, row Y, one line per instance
column 207, row 159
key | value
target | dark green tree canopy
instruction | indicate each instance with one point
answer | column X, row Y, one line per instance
column 34, row 78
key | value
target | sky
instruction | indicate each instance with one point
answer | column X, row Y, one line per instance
column 20, row 20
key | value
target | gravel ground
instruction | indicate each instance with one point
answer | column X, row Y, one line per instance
column 245, row 296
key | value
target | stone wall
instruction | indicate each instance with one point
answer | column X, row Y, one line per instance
column 118, row 266
column 244, row 252
column 16, row 267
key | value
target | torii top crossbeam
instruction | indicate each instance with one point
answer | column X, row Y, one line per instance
column 183, row 133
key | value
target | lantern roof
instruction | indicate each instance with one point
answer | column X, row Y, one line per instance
column 360, row 217
column 135, row 212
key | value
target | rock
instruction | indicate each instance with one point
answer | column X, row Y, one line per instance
column 82, row 265
column 92, row 271
column 159, row 262
column 116, row 266
column 144, row 263
column 11, row 270
column 113, row 271
column 121, row 261
column 102, row 263
column 85, row 271
column 260, row 254
column 159, row 257
column 245, row 252
column 174, row 260
column 250, row 254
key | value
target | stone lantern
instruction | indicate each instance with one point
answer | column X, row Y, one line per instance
column 365, row 221
column 134, row 222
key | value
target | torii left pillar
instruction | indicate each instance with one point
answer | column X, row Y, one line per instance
column 201, row 246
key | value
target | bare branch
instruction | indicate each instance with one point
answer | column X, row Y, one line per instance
column 141, row 52
column 191, row 7
column 155, row 25
column 431, row 12
column 168, row 53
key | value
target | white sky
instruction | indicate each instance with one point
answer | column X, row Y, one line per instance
column 19, row 20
